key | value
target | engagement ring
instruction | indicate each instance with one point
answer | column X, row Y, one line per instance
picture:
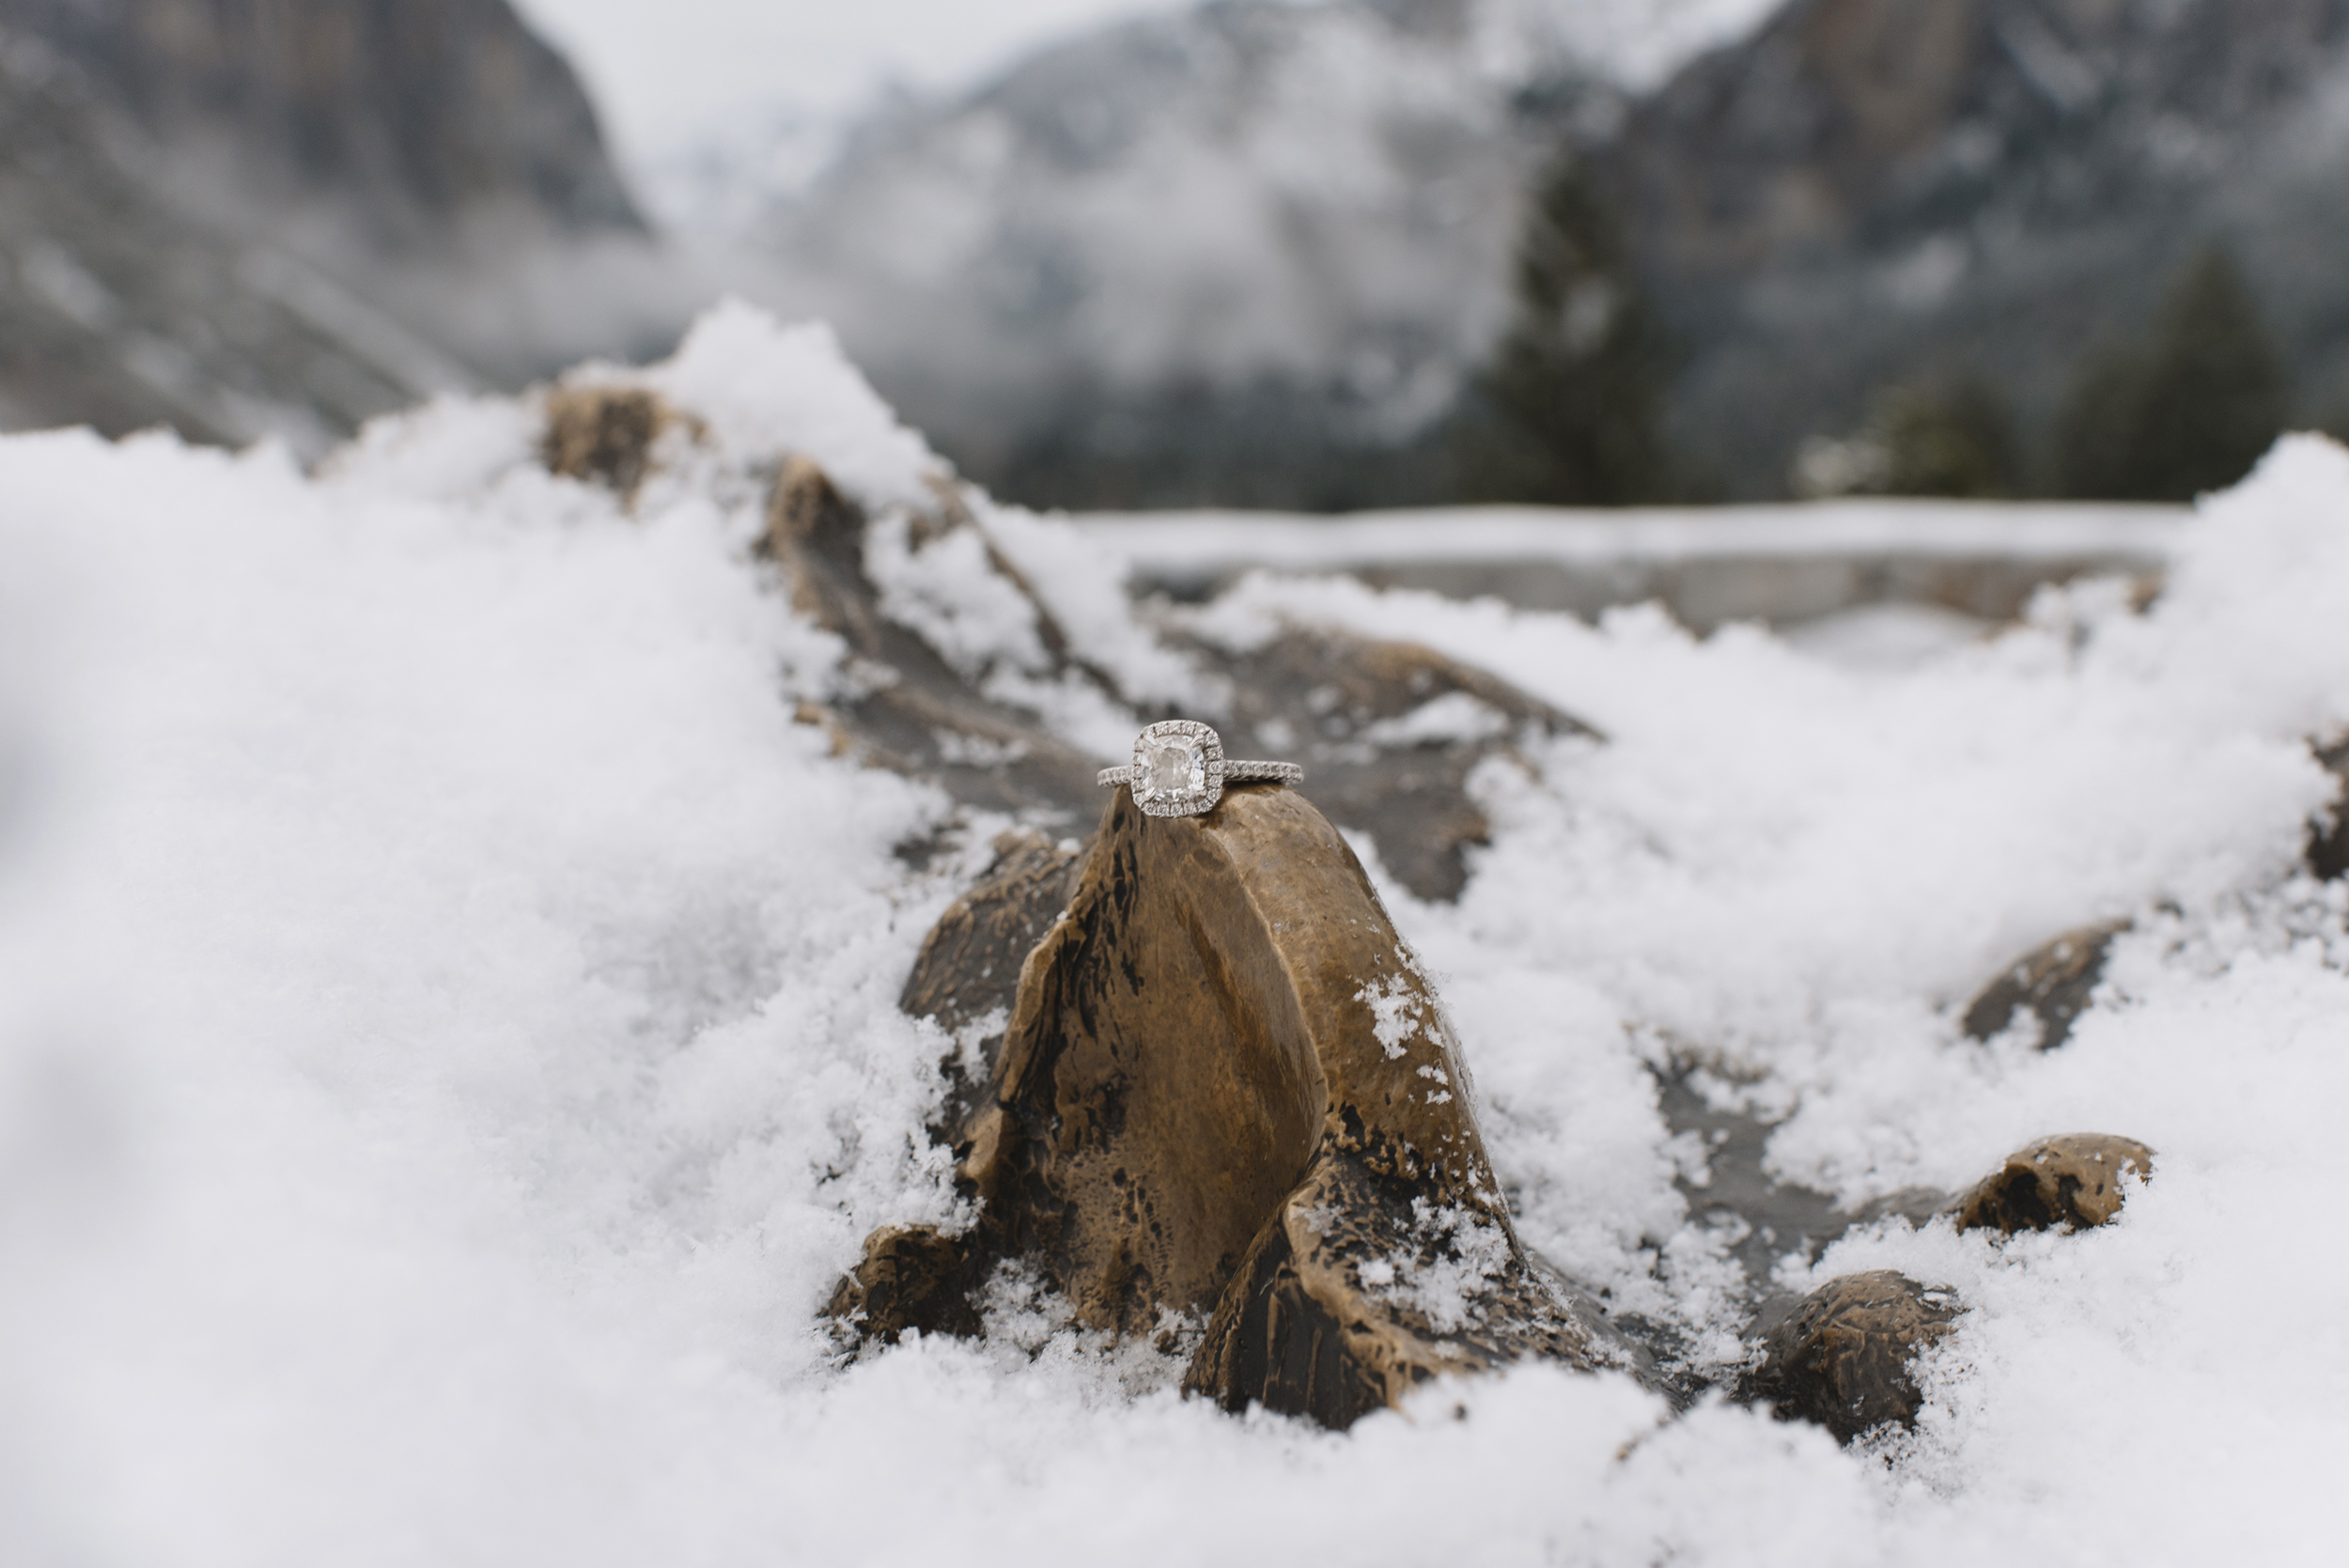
column 1178, row 770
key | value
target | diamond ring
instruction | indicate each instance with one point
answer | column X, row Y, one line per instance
column 1179, row 771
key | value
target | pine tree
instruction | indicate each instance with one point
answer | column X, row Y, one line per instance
column 1568, row 408
column 2189, row 412
column 1951, row 436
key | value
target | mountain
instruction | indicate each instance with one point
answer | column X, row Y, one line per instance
column 1243, row 252
column 242, row 217
column 1868, row 193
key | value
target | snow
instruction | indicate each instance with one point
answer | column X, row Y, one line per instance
column 448, row 1042
column 1198, row 542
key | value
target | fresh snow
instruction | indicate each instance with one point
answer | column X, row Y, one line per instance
column 1205, row 541
column 448, row 1042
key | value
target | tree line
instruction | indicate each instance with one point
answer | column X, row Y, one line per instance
column 1568, row 407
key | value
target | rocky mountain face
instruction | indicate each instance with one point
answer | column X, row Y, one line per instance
column 245, row 217
column 1868, row 191
column 1241, row 252
column 1246, row 254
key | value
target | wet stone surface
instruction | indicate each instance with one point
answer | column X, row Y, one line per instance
column 1774, row 1217
column 2052, row 984
column 910, row 1277
column 2073, row 1182
column 1843, row 1358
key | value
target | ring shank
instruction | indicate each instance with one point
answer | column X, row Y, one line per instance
column 1244, row 772
column 1234, row 772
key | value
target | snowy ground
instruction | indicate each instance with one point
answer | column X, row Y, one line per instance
column 449, row 1050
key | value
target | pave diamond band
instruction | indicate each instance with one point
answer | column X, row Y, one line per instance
column 1179, row 769
column 1234, row 772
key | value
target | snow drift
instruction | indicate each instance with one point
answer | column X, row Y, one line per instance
column 448, row 1042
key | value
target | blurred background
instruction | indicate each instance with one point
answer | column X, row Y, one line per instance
column 1115, row 255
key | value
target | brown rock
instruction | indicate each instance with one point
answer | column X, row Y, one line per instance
column 969, row 963
column 1842, row 1357
column 1226, row 1084
column 1337, row 704
column 2053, row 983
column 2328, row 840
column 603, row 433
column 1326, row 699
column 910, row 1277
column 915, row 713
column 2073, row 1180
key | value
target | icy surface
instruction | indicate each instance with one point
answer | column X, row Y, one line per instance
column 448, row 1045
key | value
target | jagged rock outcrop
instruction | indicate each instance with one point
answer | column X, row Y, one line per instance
column 1389, row 732
column 1867, row 191
column 1071, row 344
column 410, row 113
column 120, row 310
column 239, row 217
column 1227, row 1088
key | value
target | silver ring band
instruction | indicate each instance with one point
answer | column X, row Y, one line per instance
column 1234, row 772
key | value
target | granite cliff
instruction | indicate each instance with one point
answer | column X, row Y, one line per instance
column 247, row 217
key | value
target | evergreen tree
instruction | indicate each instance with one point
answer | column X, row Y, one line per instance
column 2191, row 411
column 1568, row 408
column 1948, row 437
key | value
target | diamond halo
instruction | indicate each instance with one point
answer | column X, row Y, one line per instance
column 1179, row 769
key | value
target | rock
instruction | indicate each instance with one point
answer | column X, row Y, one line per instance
column 2328, row 841
column 603, row 433
column 1388, row 734
column 916, row 714
column 412, row 114
column 1809, row 203
column 1738, row 1193
column 121, row 310
column 2073, row 1180
column 910, row 1277
column 2053, row 983
column 969, row 963
column 1842, row 1357
column 1227, row 1085
column 245, row 220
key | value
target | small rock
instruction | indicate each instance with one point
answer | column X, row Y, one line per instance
column 603, row 433
column 2053, row 983
column 2328, row 840
column 2073, row 1180
column 1842, row 1357
column 910, row 1277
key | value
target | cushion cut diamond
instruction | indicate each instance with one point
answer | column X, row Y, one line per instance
column 1173, row 765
